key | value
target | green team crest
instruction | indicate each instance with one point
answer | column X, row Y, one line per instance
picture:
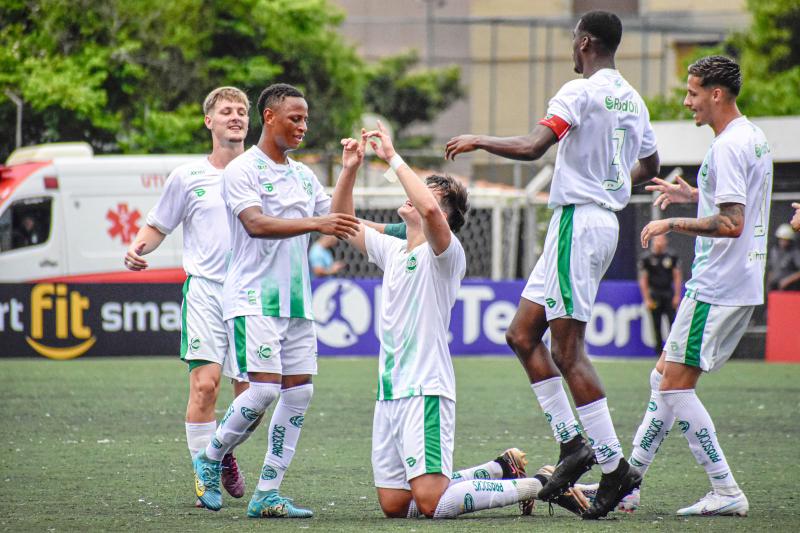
column 411, row 264
column 307, row 186
column 264, row 352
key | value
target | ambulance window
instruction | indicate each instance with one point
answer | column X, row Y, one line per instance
column 25, row 223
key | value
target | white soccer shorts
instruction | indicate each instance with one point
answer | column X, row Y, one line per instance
column 705, row 335
column 286, row 346
column 410, row 437
column 578, row 249
column 203, row 333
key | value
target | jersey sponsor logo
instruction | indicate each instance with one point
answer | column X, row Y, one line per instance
column 249, row 414
column 278, row 436
column 482, row 473
column 762, row 149
column 621, row 106
column 297, row 421
column 410, row 461
column 268, row 473
column 264, row 352
column 68, row 310
column 124, row 222
column 411, row 263
column 652, row 432
column 269, row 187
column 307, row 186
column 342, row 311
column 469, row 503
column 261, row 164
column 704, row 436
column 251, row 297
column 200, row 192
column 194, row 344
column 196, row 172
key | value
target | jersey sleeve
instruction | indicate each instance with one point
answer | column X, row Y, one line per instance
column 240, row 189
column 322, row 201
column 730, row 165
column 170, row 209
column 452, row 262
column 649, row 146
column 564, row 109
column 378, row 246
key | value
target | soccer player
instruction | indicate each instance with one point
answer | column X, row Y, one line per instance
column 734, row 187
column 274, row 202
column 602, row 127
column 414, row 419
column 192, row 197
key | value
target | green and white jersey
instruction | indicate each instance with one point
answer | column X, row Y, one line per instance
column 736, row 169
column 608, row 130
column 417, row 296
column 192, row 197
column 269, row 277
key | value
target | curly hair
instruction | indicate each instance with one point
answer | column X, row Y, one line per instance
column 718, row 71
column 603, row 26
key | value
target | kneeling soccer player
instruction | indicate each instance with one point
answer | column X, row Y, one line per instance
column 414, row 421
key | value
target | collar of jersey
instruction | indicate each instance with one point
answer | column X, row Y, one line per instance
column 275, row 167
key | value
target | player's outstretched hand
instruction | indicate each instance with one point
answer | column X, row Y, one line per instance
column 383, row 146
column 353, row 151
column 339, row 225
column 795, row 222
column 460, row 145
column 656, row 227
column 133, row 260
column 671, row 193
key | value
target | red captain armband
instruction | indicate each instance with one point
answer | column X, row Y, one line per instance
column 559, row 126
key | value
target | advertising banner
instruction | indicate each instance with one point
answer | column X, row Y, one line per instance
column 66, row 320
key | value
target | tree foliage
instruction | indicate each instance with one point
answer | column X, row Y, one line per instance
column 769, row 56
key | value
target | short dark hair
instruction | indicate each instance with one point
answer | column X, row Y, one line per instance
column 274, row 95
column 718, row 70
column 603, row 26
column 454, row 201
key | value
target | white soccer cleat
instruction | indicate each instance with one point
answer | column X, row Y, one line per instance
column 713, row 504
column 630, row 502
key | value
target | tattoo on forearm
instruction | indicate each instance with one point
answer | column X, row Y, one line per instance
column 726, row 223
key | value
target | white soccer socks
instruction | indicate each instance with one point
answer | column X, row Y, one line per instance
column 655, row 426
column 596, row 421
column 490, row 470
column 557, row 410
column 698, row 428
column 198, row 435
column 245, row 409
column 284, row 432
column 479, row 494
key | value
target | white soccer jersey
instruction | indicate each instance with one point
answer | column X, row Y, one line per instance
column 609, row 129
column 269, row 277
column 418, row 293
column 192, row 196
column 736, row 169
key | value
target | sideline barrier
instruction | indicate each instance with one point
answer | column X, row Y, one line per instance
column 68, row 320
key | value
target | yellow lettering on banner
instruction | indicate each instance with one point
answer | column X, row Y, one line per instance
column 69, row 309
column 70, row 352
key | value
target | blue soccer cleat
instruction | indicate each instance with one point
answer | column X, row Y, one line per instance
column 270, row 504
column 206, row 481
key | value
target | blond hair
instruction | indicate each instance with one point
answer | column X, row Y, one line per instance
column 224, row 93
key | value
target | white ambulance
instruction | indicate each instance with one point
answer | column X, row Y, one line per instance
column 68, row 215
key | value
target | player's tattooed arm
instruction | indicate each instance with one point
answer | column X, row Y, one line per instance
column 522, row 147
column 729, row 223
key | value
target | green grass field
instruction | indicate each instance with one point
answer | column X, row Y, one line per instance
column 98, row 444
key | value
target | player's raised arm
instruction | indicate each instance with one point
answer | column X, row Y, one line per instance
column 342, row 201
column 521, row 147
column 434, row 221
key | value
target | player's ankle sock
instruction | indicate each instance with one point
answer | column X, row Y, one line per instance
column 490, row 470
column 198, row 435
column 476, row 495
column 698, row 428
column 655, row 426
column 241, row 414
column 596, row 421
column 557, row 410
column 284, row 432
column 413, row 512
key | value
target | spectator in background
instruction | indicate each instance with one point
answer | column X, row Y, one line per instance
column 320, row 257
column 796, row 218
column 27, row 234
column 784, row 261
column 660, row 280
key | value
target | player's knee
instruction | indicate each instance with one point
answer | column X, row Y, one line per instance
column 521, row 341
column 395, row 511
column 427, row 506
column 204, row 391
column 298, row 398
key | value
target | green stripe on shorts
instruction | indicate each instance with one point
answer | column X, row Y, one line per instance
column 184, row 333
column 240, row 341
column 564, row 252
column 695, row 340
column 433, row 436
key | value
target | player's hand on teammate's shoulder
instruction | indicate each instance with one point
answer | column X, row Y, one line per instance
column 460, row 145
column 679, row 192
column 133, row 260
column 353, row 151
column 383, row 146
column 339, row 225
